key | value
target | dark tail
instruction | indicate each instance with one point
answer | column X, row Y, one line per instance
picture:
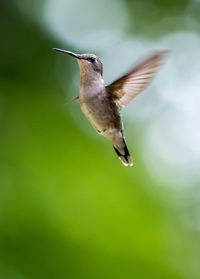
column 124, row 154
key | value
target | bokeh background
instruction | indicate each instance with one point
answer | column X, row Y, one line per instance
column 68, row 207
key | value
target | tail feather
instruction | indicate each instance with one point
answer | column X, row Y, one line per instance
column 118, row 141
column 125, row 157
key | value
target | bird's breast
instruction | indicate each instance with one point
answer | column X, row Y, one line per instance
column 98, row 109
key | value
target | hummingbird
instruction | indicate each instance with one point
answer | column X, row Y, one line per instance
column 102, row 104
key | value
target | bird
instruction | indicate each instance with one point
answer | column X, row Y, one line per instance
column 102, row 104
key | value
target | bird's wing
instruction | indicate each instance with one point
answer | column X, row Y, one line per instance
column 75, row 100
column 126, row 88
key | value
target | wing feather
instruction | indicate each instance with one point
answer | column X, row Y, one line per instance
column 126, row 88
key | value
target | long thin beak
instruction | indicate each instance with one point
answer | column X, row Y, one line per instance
column 68, row 52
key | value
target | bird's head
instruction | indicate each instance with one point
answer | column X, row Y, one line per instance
column 88, row 63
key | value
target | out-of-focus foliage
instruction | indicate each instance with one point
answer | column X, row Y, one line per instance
column 68, row 207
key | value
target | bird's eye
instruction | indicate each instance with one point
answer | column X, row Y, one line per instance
column 92, row 59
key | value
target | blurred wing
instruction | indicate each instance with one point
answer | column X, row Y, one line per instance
column 126, row 88
column 75, row 100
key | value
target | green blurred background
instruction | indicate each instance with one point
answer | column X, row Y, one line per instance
column 68, row 207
